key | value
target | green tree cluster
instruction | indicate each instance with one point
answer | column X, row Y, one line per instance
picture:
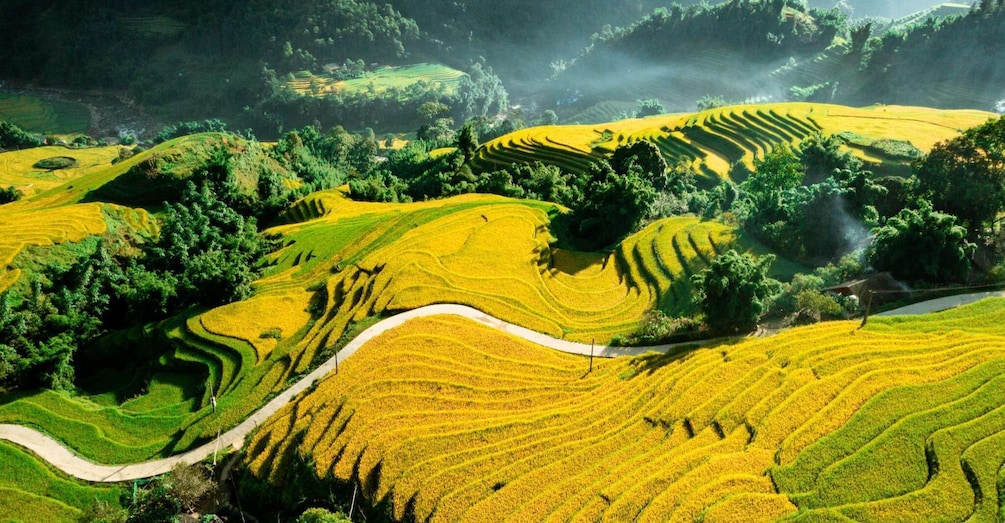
column 205, row 255
column 965, row 176
column 734, row 291
column 13, row 137
column 922, row 244
column 812, row 203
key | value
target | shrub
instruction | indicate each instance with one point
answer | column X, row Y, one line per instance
column 56, row 163
column 10, row 194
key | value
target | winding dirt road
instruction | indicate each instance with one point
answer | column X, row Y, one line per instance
column 63, row 459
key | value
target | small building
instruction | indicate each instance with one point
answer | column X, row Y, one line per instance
column 883, row 287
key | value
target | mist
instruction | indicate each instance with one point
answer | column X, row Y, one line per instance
column 876, row 8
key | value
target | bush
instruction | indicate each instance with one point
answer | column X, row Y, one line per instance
column 734, row 290
column 320, row 515
column 56, row 163
column 658, row 328
column 10, row 194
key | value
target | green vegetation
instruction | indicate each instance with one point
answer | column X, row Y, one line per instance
column 922, row 244
column 965, row 176
column 13, row 137
column 734, row 290
column 43, row 116
column 33, row 491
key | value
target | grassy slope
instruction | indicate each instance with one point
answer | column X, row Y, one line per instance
column 379, row 80
column 714, row 141
column 73, row 204
column 449, row 420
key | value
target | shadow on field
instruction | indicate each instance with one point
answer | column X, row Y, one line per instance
column 652, row 362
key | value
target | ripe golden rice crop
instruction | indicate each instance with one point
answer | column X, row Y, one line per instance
column 17, row 167
column 20, row 227
column 261, row 321
column 448, row 420
column 493, row 254
column 714, row 141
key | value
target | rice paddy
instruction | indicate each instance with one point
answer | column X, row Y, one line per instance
column 716, row 141
column 447, row 420
column 37, row 115
column 379, row 81
column 490, row 253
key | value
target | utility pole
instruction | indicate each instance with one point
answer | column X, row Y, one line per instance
column 592, row 343
column 352, row 505
column 868, row 307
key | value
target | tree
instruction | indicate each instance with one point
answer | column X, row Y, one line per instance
column 779, row 170
column 711, row 102
column 467, row 142
column 613, row 204
column 647, row 157
column 9, row 194
column 189, row 485
column 12, row 137
column 734, row 290
column 965, row 176
column 922, row 244
column 649, row 107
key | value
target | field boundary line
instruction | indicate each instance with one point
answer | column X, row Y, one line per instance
column 63, row 459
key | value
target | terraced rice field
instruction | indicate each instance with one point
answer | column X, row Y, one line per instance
column 17, row 168
column 153, row 26
column 450, row 421
column 31, row 491
column 380, row 80
column 21, row 227
column 36, row 115
column 490, row 253
column 717, row 140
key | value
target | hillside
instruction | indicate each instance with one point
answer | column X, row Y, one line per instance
column 352, row 261
column 155, row 297
column 446, row 420
column 716, row 142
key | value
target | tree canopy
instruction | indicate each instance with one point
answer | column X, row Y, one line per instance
column 922, row 244
column 965, row 176
column 734, row 291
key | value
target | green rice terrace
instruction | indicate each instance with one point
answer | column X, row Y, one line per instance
column 379, row 81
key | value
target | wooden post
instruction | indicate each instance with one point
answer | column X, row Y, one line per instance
column 592, row 343
column 868, row 307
